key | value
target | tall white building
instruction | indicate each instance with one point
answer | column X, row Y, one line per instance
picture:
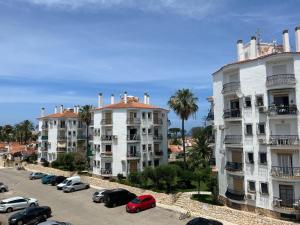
column 128, row 136
column 60, row 132
column 256, row 122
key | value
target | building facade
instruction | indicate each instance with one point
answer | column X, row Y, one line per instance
column 60, row 132
column 256, row 125
column 128, row 136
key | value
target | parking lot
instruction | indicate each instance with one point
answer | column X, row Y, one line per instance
column 78, row 207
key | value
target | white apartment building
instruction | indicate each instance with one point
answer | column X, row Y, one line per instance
column 256, row 123
column 128, row 136
column 60, row 132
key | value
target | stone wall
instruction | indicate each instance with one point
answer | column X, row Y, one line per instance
column 222, row 213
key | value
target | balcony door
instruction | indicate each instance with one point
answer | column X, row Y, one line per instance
column 236, row 156
column 235, row 104
column 238, row 185
column 286, row 194
column 285, row 162
column 281, row 100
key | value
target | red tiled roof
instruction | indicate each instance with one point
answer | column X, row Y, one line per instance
column 123, row 105
column 175, row 148
column 15, row 147
column 66, row 114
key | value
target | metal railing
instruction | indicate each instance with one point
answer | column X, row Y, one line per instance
column 234, row 166
column 232, row 113
column 238, row 195
column 284, row 140
column 106, row 154
column 282, row 110
column 133, row 154
column 133, row 137
column 61, row 137
column 106, row 137
column 157, row 137
column 289, row 204
column 45, row 127
column 61, row 149
column 231, row 87
column 106, row 121
column 233, row 139
column 104, row 171
column 158, row 153
column 133, row 120
column 44, row 138
column 280, row 79
column 157, row 121
column 285, row 171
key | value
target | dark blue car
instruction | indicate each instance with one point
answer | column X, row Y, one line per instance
column 47, row 179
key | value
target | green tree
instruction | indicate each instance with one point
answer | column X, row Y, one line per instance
column 201, row 174
column 27, row 129
column 184, row 104
column 167, row 176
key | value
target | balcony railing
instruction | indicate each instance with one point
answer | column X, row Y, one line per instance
column 232, row 113
column 81, row 137
column 288, row 204
column 280, row 79
column 285, row 172
column 106, row 121
column 45, row 127
column 107, row 138
column 61, row 149
column 61, row 138
column 233, row 139
column 282, row 110
column 234, row 166
column 235, row 194
column 106, row 171
column 106, row 154
column 158, row 153
column 157, row 137
column 157, row 121
column 133, row 154
column 231, row 87
column 133, row 137
column 44, row 138
column 284, row 140
column 133, row 121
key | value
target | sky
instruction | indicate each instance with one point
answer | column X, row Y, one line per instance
column 55, row 52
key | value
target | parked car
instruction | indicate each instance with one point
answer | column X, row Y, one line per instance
column 141, row 203
column 55, row 180
column 117, row 197
column 14, row 203
column 32, row 215
column 68, row 181
column 76, row 187
column 3, row 187
column 203, row 221
column 98, row 196
column 20, row 167
column 54, row 222
column 46, row 179
column 36, row 175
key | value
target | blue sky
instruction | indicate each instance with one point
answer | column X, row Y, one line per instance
column 56, row 52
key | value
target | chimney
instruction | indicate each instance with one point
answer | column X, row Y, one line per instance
column 286, row 41
column 145, row 98
column 55, row 109
column 42, row 112
column 240, row 50
column 61, row 109
column 112, row 99
column 253, row 48
column 100, row 100
column 148, row 99
column 297, row 38
column 125, row 97
column 75, row 109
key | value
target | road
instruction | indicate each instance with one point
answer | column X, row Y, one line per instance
column 77, row 207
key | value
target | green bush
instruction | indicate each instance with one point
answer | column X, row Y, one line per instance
column 120, row 177
column 112, row 179
column 134, row 178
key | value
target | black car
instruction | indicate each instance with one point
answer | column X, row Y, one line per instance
column 203, row 221
column 115, row 197
column 30, row 216
column 56, row 180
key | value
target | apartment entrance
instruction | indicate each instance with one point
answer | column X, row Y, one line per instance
column 133, row 166
column 286, row 194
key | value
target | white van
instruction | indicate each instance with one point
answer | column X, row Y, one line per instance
column 68, row 181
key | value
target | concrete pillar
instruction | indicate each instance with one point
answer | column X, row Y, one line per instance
column 148, row 99
column 253, row 48
column 145, row 98
column 125, row 97
column 61, row 109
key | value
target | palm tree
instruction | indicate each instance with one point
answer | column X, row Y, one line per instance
column 27, row 128
column 86, row 116
column 184, row 104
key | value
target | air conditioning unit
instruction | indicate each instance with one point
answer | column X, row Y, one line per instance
column 221, row 127
column 262, row 109
column 251, row 196
column 115, row 137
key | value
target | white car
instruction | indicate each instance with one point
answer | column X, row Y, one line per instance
column 15, row 203
column 67, row 182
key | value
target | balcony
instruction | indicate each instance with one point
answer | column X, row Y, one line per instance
column 232, row 113
column 158, row 153
column 45, row 127
column 282, row 110
column 284, row 140
column 81, row 137
column 106, row 122
column 61, row 127
column 210, row 116
column 107, row 138
column 235, row 194
column 285, row 172
column 157, row 121
column 157, row 137
column 234, row 166
column 133, row 155
column 231, row 87
column 281, row 80
column 106, row 154
column 44, row 138
column 133, row 137
column 61, row 150
column 233, row 139
column 133, row 121
column 44, row 149
column 61, row 138
column 106, row 172
column 286, row 204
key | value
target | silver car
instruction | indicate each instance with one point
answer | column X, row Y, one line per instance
column 76, row 187
column 3, row 187
column 53, row 222
column 98, row 196
column 36, row 175
column 15, row 203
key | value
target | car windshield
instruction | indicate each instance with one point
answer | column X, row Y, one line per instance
column 2, row 203
column 96, row 193
column 136, row 201
column 65, row 181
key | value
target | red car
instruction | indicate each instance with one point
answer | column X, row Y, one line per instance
column 141, row 203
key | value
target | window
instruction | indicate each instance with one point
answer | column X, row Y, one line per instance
column 264, row 188
column 251, row 186
column 250, row 158
column 74, row 133
column 149, row 115
column 74, row 144
column 156, row 162
column 259, row 100
column 74, row 122
column 144, row 130
column 149, row 131
column 263, row 158
column 248, row 101
column 248, row 129
column 149, row 163
column 144, row 164
column 69, row 144
column 149, row 147
column 144, row 147
column 54, row 122
column 143, row 115
column 261, row 128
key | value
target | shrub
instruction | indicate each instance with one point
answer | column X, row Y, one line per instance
column 134, row 178
column 167, row 176
column 112, row 179
column 120, row 177
column 55, row 164
column 45, row 163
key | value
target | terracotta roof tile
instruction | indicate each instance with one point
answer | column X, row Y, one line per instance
column 123, row 105
column 65, row 114
column 175, row 148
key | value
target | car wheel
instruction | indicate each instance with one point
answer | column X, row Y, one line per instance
column 138, row 210
column 115, row 204
column 20, row 222
column 32, row 205
column 72, row 190
column 45, row 216
column 8, row 210
column 153, row 205
column 87, row 187
column 2, row 190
